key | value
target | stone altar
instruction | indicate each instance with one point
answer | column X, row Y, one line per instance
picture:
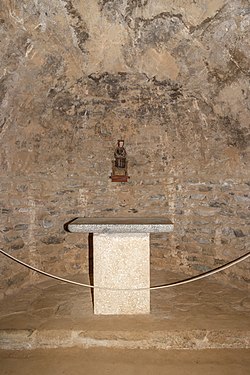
column 121, row 261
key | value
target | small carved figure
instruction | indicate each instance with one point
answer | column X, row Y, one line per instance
column 119, row 165
column 120, row 155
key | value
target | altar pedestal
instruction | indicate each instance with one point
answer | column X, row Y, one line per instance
column 121, row 258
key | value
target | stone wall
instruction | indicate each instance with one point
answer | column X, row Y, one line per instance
column 169, row 77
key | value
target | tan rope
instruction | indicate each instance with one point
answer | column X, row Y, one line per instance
column 176, row 283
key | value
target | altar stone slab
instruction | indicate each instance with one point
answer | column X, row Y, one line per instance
column 121, row 257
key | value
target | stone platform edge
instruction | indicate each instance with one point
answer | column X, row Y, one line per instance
column 163, row 340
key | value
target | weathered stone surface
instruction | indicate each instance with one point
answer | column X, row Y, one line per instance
column 202, row 315
column 171, row 78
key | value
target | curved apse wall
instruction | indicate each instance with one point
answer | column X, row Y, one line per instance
column 171, row 78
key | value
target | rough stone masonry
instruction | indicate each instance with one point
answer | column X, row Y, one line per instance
column 171, row 78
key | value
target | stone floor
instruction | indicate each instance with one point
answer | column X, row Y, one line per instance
column 103, row 361
column 201, row 315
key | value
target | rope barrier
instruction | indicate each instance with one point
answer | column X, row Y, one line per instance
column 176, row 283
